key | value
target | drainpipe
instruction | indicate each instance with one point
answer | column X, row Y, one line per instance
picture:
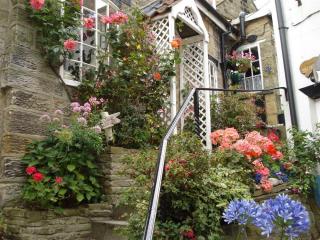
column 286, row 62
column 223, row 57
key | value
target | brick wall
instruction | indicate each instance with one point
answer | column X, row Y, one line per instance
column 29, row 88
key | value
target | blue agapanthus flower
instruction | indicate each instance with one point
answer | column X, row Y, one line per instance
column 283, row 212
column 282, row 176
column 241, row 211
column 257, row 178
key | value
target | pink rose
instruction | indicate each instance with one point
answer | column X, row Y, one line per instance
column 76, row 109
column 37, row 4
column 70, row 45
column 75, row 104
column 105, row 20
column 88, row 23
column 87, row 105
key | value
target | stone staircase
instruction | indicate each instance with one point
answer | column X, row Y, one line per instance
column 108, row 218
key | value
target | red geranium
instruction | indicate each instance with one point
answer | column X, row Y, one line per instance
column 37, row 177
column 31, row 170
column 58, row 180
column 189, row 234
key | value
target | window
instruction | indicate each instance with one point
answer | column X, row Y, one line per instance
column 253, row 78
column 84, row 59
column 213, row 75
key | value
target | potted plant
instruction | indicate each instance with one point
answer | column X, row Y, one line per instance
column 240, row 62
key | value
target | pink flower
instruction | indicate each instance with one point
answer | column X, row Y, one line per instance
column 37, row 177
column 97, row 129
column 58, row 112
column 85, row 114
column 277, row 156
column 88, row 23
column 76, row 109
column 105, row 20
column 266, row 186
column 264, row 171
column 31, row 170
column 258, row 164
column 45, row 118
column 93, row 101
column 102, row 100
column 81, row 108
column 216, row 136
column 58, row 180
column 273, row 136
column 70, row 45
column 87, row 109
column 87, row 105
column 75, row 104
column 82, row 121
column 167, row 167
column 37, row 4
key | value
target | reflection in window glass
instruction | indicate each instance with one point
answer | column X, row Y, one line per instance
column 253, row 78
column 84, row 62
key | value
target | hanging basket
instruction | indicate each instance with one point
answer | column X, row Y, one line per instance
column 235, row 78
column 243, row 67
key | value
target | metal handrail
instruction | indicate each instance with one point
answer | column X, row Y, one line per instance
column 154, row 200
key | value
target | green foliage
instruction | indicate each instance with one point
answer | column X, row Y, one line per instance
column 134, row 80
column 54, row 27
column 304, row 156
column 69, row 153
column 236, row 110
column 194, row 192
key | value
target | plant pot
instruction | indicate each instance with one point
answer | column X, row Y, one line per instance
column 243, row 68
column 235, row 78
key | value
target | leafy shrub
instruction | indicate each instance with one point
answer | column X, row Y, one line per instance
column 303, row 156
column 234, row 110
column 135, row 82
column 62, row 169
column 194, row 192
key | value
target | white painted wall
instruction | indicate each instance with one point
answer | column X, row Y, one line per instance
column 304, row 43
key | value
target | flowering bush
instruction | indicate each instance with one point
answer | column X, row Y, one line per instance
column 193, row 196
column 136, row 81
column 234, row 110
column 281, row 215
column 259, row 151
column 57, row 31
column 240, row 61
column 62, row 169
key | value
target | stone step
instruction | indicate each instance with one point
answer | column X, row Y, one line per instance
column 107, row 229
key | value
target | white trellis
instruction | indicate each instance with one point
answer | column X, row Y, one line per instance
column 194, row 70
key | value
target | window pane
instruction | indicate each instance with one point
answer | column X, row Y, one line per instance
column 88, row 55
column 257, row 82
column 76, row 54
column 255, row 53
column 102, row 7
column 88, row 72
column 71, row 71
column 89, row 37
column 256, row 68
column 249, row 73
column 249, row 85
column 102, row 41
column 89, row 4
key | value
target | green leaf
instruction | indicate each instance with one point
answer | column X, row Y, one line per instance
column 80, row 197
column 71, row 167
column 62, row 191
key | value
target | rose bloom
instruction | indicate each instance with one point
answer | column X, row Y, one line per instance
column 31, row 170
column 37, row 177
column 264, row 171
column 75, row 104
column 37, row 4
column 58, row 180
column 157, row 76
column 216, row 136
column 70, row 45
column 88, row 23
column 176, row 43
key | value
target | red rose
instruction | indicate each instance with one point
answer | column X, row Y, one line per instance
column 58, row 180
column 38, row 177
column 167, row 167
column 31, row 170
column 157, row 76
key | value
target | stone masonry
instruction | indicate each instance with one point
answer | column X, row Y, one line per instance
column 29, row 88
column 231, row 9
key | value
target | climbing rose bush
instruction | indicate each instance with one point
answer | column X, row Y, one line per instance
column 259, row 151
column 62, row 169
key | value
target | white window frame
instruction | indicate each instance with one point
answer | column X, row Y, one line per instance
column 249, row 47
column 213, row 74
column 110, row 4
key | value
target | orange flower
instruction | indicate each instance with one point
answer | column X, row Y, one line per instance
column 157, row 76
column 176, row 43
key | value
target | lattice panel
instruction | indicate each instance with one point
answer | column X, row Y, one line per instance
column 189, row 15
column 193, row 76
column 160, row 30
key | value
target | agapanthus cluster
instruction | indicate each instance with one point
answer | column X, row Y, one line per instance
column 285, row 215
column 242, row 212
column 115, row 18
column 278, row 215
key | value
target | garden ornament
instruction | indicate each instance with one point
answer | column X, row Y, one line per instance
column 107, row 122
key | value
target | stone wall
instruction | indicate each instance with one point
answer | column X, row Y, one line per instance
column 263, row 28
column 231, row 9
column 29, row 88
